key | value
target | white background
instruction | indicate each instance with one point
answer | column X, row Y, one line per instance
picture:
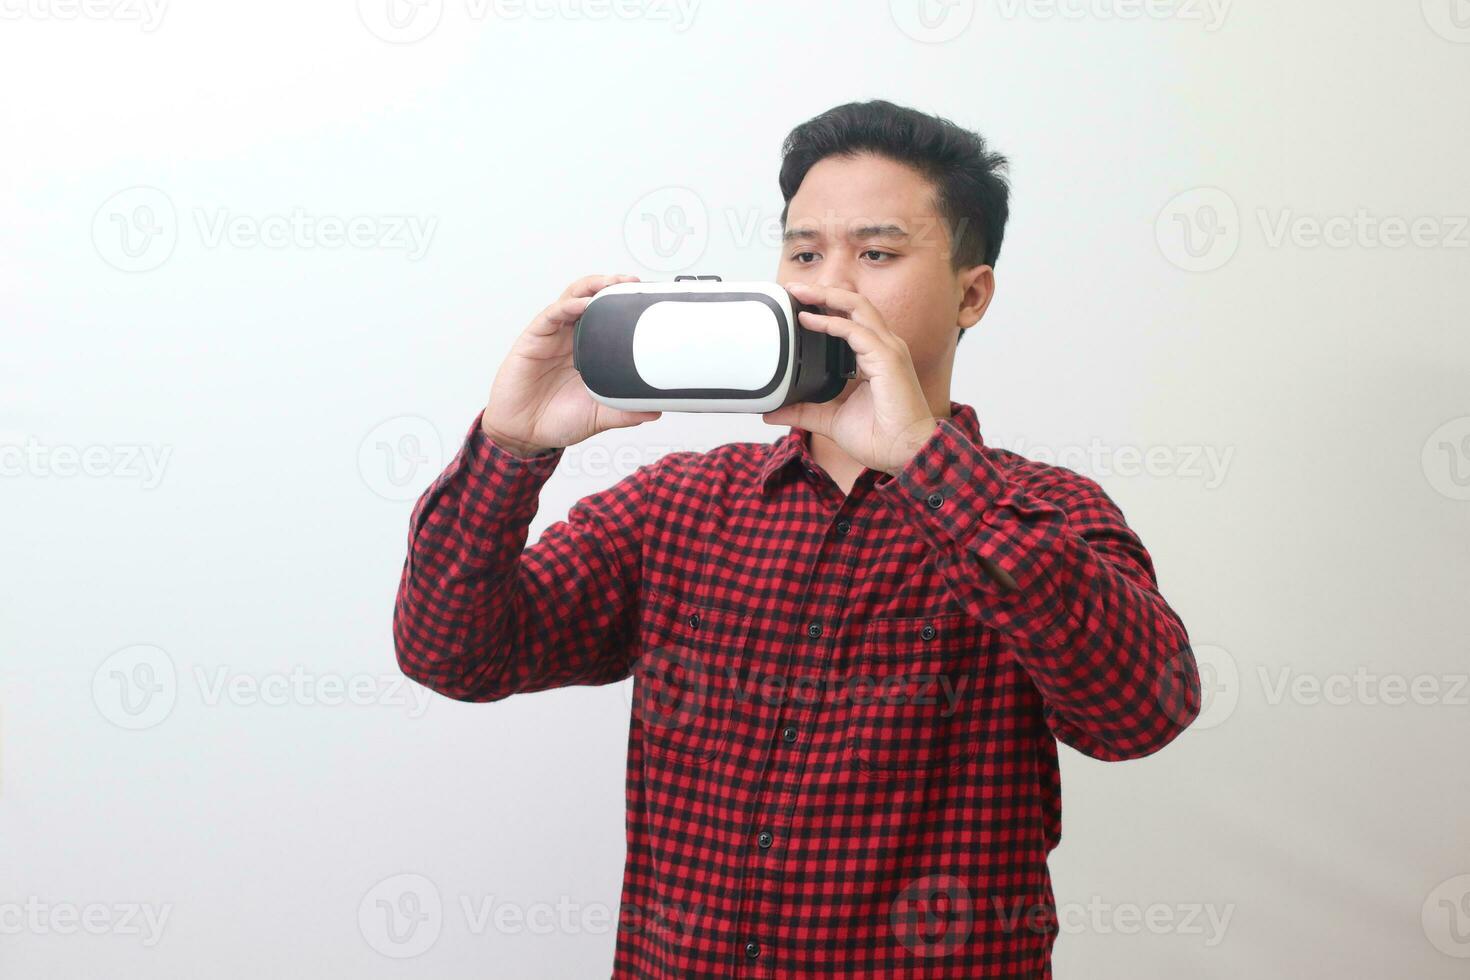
column 171, row 637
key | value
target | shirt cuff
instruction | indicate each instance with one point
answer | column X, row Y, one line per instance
column 961, row 503
column 489, row 486
column 948, row 486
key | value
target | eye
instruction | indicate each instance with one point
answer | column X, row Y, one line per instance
column 879, row 253
column 798, row 256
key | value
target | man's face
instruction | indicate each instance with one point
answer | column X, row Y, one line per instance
column 868, row 224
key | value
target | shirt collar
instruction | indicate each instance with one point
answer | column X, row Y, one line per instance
column 794, row 447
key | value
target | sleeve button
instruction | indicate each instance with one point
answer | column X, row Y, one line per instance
column 694, row 621
column 934, row 500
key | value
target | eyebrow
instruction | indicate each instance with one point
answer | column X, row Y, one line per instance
column 867, row 231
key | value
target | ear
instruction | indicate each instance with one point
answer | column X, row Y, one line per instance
column 977, row 287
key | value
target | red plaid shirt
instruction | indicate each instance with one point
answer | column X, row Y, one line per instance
column 842, row 754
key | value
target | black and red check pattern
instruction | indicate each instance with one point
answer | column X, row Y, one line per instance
column 842, row 755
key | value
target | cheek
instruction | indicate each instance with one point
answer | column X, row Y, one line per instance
column 924, row 324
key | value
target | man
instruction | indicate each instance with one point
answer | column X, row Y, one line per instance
column 854, row 648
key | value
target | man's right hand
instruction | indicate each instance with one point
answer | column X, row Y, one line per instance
column 538, row 400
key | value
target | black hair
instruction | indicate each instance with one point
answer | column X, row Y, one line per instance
column 972, row 194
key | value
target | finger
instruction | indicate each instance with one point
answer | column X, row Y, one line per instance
column 833, row 298
column 588, row 285
column 556, row 316
column 617, row 418
column 861, row 337
column 813, row 417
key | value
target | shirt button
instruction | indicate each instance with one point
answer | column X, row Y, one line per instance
column 843, row 526
column 814, row 630
column 764, row 839
column 934, row 500
column 788, row 734
column 927, row 632
column 752, row 950
column 694, row 621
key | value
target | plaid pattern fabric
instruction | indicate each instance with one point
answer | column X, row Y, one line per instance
column 842, row 752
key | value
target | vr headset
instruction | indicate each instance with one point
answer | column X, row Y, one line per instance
column 699, row 344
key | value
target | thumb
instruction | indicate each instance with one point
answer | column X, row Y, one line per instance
column 785, row 415
column 618, row 418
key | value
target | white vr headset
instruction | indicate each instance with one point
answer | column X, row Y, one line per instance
column 699, row 344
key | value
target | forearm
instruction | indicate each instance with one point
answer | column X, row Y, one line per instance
column 1057, row 569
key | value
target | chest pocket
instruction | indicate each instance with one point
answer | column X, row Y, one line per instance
column 687, row 687
column 916, row 694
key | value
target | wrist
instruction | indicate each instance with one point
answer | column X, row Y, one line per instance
column 515, row 447
column 915, row 438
